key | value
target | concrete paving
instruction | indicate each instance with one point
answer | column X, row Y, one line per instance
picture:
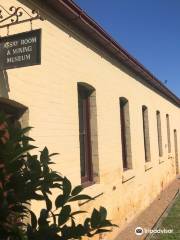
column 148, row 218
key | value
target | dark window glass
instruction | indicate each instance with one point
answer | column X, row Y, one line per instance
column 123, row 135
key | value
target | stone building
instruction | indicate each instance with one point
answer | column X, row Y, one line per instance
column 115, row 125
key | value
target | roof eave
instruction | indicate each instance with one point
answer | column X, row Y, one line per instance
column 72, row 12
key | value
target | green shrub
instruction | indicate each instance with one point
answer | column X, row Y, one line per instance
column 25, row 177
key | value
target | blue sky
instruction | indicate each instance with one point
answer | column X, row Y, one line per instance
column 147, row 29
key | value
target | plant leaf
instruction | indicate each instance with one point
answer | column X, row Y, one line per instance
column 103, row 213
column 77, row 190
column 66, row 187
column 95, row 218
column 60, row 201
column 33, row 219
column 64, row 215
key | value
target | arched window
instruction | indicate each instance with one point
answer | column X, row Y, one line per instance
column 125, row 133
column 168, row 133
column 87, row 133
column 146, row 133
column 159, row 132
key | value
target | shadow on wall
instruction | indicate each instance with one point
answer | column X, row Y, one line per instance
column 4, row 84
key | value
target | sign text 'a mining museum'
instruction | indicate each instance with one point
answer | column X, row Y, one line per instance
column 20, row 50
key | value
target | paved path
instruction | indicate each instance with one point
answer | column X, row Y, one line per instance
column 149, row 217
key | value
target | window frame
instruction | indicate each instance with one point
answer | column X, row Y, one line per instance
column 146, row 137
column 159, row 133
column 125, row 133
column 168, row 133
column 86, row 164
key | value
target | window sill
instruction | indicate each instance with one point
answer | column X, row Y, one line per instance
column 87, row 184
column 170, row 156
column 148, row 166
column 161, row 160
column 128, row 175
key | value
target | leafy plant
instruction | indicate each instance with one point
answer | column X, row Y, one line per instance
column 25, row 177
